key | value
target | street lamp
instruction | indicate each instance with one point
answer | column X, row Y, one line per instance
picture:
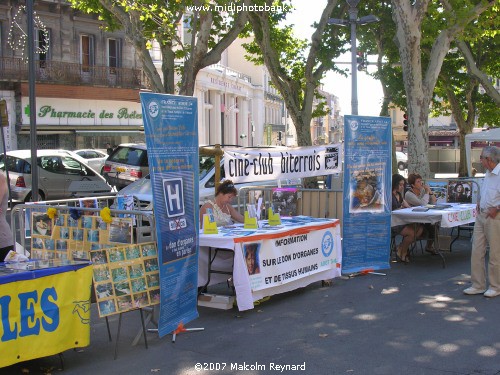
column 353, row 21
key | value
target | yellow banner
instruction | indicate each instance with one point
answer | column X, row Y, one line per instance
column 44, row 316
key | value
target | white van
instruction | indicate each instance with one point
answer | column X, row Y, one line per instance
column 141, row 189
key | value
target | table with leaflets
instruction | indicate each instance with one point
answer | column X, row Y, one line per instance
column 448, row 215
column 300, row 251
column 45, row 308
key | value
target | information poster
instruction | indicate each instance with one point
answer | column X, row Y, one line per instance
column 367, row 193
column 171, row 129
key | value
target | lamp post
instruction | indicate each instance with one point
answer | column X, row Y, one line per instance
column 353, row 21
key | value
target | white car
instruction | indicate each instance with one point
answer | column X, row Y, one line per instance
column 141, row 189
column 94, row 158
column 61, row 174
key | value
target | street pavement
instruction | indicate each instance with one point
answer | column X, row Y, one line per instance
column 413, row 320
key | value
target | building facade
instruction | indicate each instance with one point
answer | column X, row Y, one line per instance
column 86, row 80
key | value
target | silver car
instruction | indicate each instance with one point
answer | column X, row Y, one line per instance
column 60, row 175
column 126, row 164
column 94, row 158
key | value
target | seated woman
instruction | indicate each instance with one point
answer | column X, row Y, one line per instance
column 421, row 195
column 410, row 232
column 224, row 213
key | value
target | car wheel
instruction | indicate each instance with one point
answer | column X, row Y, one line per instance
column 41, row 197
column 401, row 166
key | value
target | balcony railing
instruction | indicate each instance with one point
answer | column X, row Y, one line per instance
column 15, row 69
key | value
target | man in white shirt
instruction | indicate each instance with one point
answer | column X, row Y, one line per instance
column 487, row 229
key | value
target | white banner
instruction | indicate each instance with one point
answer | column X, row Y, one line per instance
column 277, row 261
column 264, row 164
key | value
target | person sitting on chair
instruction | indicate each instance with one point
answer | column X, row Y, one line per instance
column 420, row 194
column 410, row 232
column 224, row 213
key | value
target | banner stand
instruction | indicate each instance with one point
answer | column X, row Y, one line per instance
column 119, row 328
column 366, row 272
column 180, row 328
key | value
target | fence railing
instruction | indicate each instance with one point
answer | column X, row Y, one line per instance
column 143, row 227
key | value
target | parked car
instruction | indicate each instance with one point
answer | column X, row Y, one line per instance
column 94, row 158
column 402, row 160
column 143, row 193
column 126, row 164
column 61, row 175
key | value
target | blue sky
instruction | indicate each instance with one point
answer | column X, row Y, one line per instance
column 369, row 90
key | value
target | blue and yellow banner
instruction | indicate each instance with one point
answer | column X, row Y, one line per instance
column 44, row 312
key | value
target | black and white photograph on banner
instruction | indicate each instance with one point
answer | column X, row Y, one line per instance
column 285, row 201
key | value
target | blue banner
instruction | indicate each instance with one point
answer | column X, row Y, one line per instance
column 367, row 193
column 171, row 129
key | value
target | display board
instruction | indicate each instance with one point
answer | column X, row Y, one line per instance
column 65, row 237
column 126, row 278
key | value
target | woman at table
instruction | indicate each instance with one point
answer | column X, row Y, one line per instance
column 224, row 213
column 410, row 232
column 421, row 194
column 6, row 239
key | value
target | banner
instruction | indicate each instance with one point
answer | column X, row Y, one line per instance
column 43, row 312
column 171, row 131
column 264, row 164
column 367, row 193
column 274, row 261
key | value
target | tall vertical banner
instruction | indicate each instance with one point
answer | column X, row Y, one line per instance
column 367, row 193
column 171, row 130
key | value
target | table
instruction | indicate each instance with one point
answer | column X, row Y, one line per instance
column 45, row 308
column 295, row 254
column 455, row 215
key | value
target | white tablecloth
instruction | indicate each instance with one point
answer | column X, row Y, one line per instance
column 458, row 214
column 247, row 289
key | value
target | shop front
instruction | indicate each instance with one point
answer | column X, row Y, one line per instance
column 76, row 123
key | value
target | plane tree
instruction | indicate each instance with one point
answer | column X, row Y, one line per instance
column 211, row 31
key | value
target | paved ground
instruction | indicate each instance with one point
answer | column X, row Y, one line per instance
column 414, row 320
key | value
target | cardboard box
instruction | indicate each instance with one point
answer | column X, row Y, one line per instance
column 216, row 301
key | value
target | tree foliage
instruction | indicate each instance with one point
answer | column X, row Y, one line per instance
column 296, row 66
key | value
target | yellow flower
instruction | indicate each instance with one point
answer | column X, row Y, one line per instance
column 52, row 212
column 106, row 215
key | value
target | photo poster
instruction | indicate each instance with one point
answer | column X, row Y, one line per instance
column 126, row 202
column 125, row 278
column 284, row 201
column 67, row 238
column 367, row 193
column 171, row 132
column 440, row 190
column 460, row 191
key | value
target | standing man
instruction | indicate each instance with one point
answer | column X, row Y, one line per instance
column 487, row 229
column 109, row 149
